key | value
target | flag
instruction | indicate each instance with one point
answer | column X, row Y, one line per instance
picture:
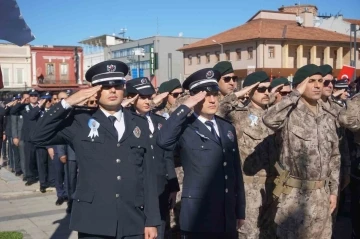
column 1, row 79
column 13, row 27
column 346, row 72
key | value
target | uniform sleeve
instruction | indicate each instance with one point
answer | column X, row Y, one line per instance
column 179, row 101
column 240, row 191
column 345, row 155
column 172, row 129
column 349, row 117
column 14, row 126
column 2, row 111
column 61, row 150
column 227, row 105
column 54, row 127
column 15, row 110
column 34, row 113
column 334, row 168
column 276, row 115
column 173, row 182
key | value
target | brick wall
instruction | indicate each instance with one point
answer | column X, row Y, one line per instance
column 299, row 9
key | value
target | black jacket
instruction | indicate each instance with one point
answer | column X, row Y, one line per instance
column 213, row 191
column 29, row 114
column 116, row 187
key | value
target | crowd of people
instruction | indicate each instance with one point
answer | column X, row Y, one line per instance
column 208, row 158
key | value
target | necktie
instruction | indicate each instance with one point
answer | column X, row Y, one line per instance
column 213, row 131
column 112, row 120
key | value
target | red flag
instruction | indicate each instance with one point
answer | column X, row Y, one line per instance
column 1, row 80
column 346, row 72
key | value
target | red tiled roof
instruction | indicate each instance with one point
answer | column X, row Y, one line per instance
column 353, row 21
column 270, row 29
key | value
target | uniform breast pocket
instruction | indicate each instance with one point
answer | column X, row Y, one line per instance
column 137, row 154
column 300, row 139
column 202, row 154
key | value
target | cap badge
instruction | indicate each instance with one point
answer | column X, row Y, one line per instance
column 209, row 74
column 93, row 125
column 137, row 132
column 230, row 135
column 111, row 68
column 143, row 81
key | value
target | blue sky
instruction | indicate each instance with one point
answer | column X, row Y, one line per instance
column 66, row 22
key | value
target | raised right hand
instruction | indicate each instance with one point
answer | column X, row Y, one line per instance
column 194, row 99
column 83, row 95
column 302, row 86
column 241, row 93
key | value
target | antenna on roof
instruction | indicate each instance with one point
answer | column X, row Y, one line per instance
column 122, row 32
column 157, row 26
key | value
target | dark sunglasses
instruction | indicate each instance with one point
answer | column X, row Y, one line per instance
column 284, row 93
column 175, row 95
column 263, row 89
column 327, row 82
column 228, row 78
column 92, row 102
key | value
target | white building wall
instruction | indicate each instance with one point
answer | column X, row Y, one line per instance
column 15, row 65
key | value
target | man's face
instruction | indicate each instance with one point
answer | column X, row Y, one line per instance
column 34, row 99
column 48, row 103
column 328, row 85
column 227, row 83
column 92, row 102
column 142, row 104
column 110, row 97
column 209, row 105
column 173, row 95
column 314, row 88
column 54, row 99
column 261, row 94
column 27, row 98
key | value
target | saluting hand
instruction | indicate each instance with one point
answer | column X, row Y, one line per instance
column 338, row 93
column 302, row 86
column 150, row 233
column 12, row 103
column 83, row 95
column 42, row 102
column 127, row 102
column 275, row 89
column 157, row 99
column 241, row 93
column 194, row 99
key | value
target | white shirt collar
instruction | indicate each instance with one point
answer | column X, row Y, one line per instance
column 118, row 115
column 203, row 119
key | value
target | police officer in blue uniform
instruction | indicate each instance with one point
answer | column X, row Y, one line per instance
column 116, row 194
column 213, row 200
column 29, row 123
column 167, row 183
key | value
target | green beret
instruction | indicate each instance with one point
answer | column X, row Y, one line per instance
column 255, row 77
column 279, row 81
column 326, row 69
column 304, row 72
column 169, row 86
column 224, row 67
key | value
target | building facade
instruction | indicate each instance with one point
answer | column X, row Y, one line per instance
column 274, row 42
column 15, row 63
column 55, row 67
column 154, row 57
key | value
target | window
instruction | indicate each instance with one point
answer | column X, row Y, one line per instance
column 64, row 69
column 190, row 60
column 6, row 76
column 50, row 69
column 19, row 75
column 227, row 55
column 207, row 54
column 250, row 53
column 322, row 60
column 271, row 52
column 308, row 57
column 238, row 54
column 217, row 55
column 198, row 57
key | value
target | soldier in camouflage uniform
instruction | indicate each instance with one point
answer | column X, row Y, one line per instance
column 280, row 87
column 257, row 152
column 309, row 159
column 349, row 117
column 174, row 90
column 334, row 107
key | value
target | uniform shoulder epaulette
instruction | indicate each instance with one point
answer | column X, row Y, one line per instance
column 157, row 115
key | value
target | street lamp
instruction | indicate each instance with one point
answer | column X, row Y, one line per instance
column 222, row 46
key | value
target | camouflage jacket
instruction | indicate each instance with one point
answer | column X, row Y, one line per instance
column 256, row 141
column 349, row 118
column 334, row 109
column 309, row 143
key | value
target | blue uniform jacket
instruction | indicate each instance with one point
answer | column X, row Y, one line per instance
column 213, row 190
